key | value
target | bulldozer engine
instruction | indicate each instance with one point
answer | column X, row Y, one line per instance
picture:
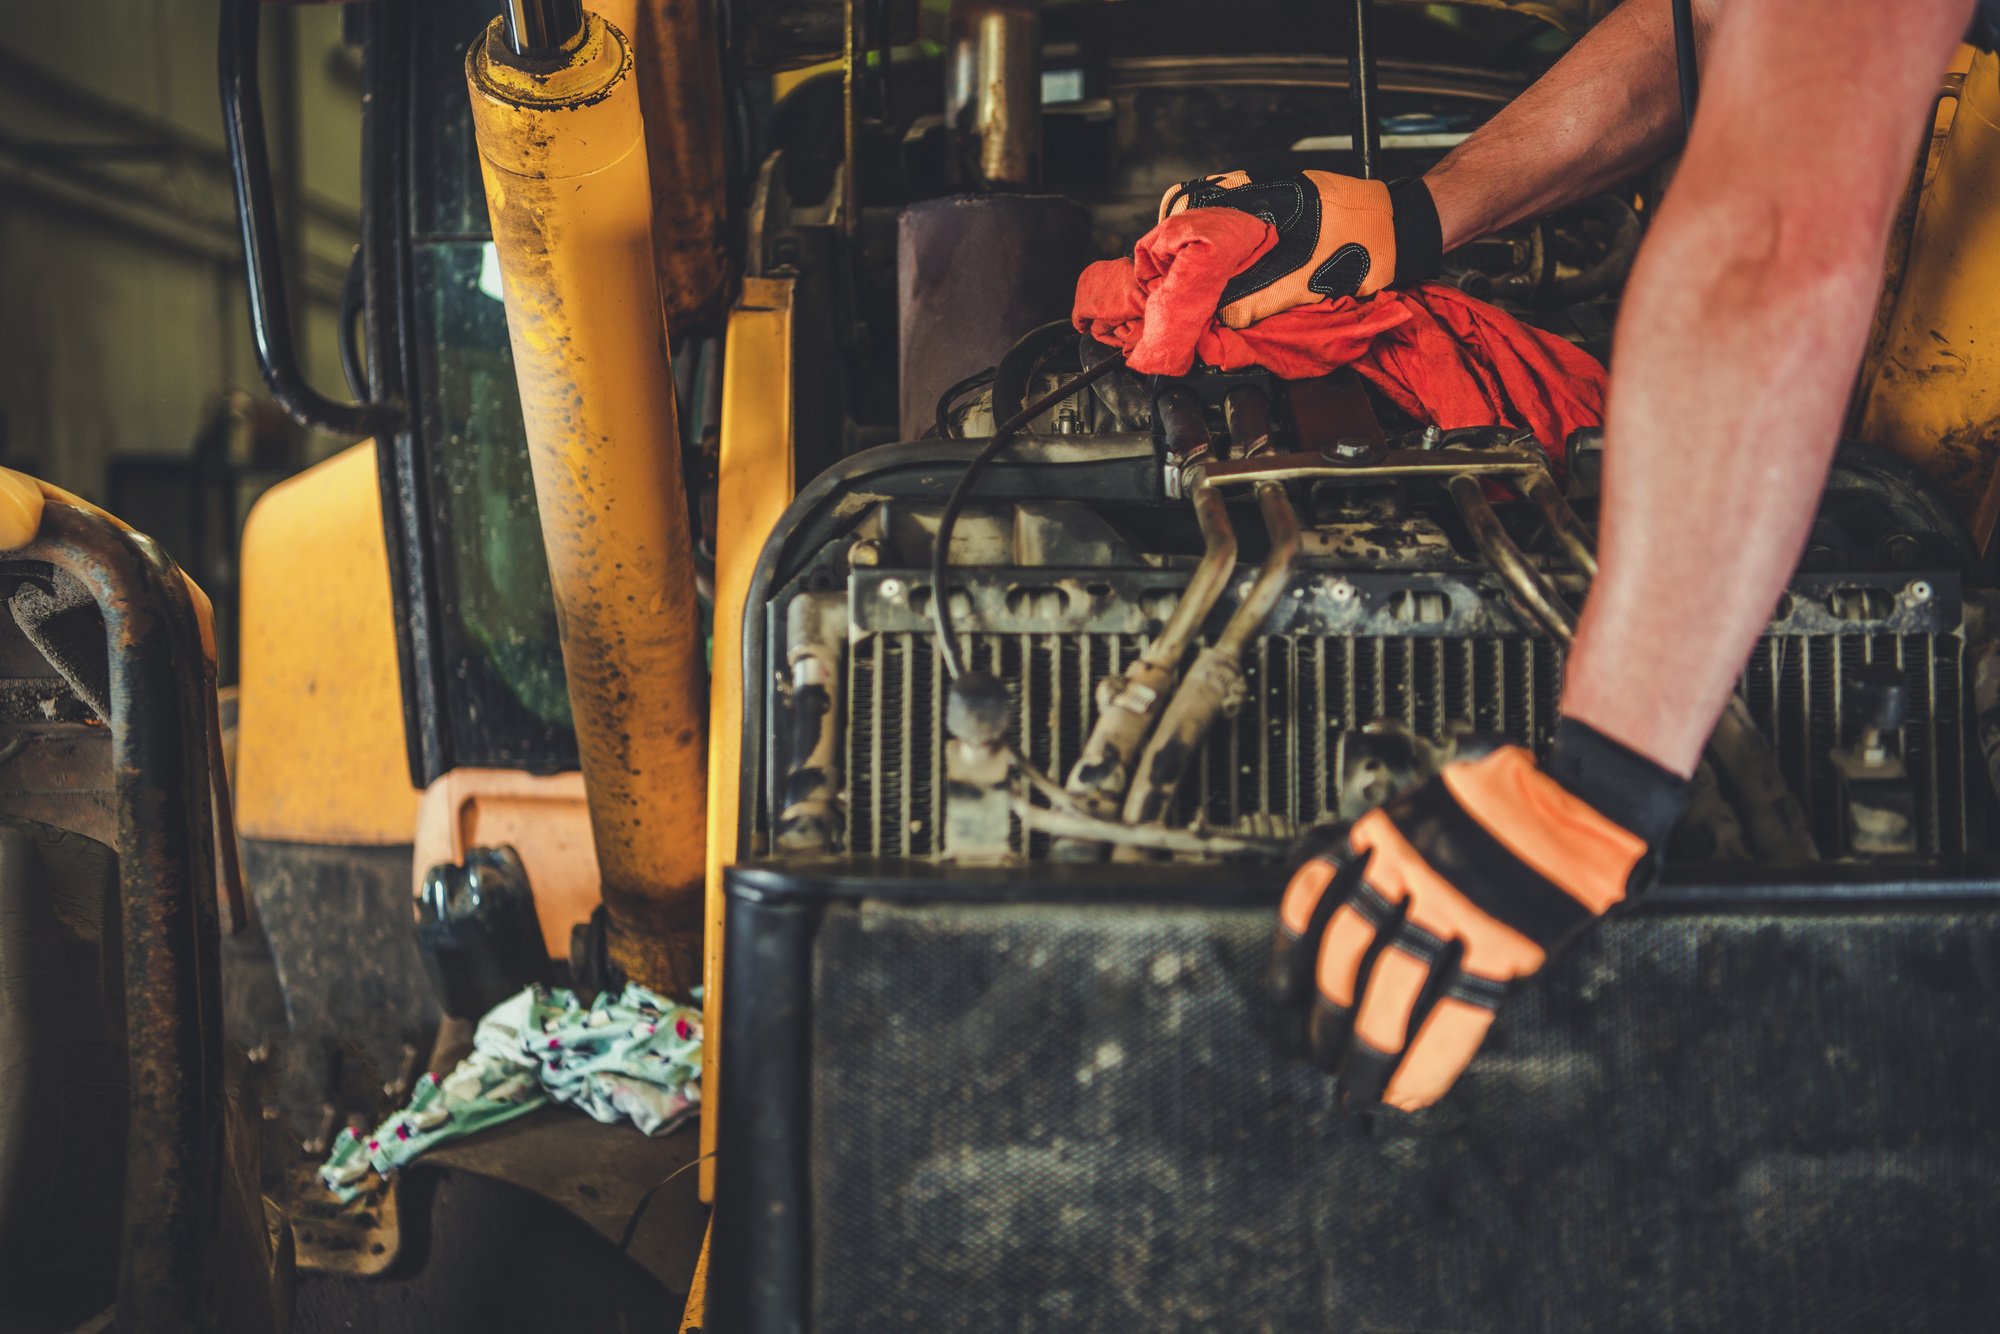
column 764, row 777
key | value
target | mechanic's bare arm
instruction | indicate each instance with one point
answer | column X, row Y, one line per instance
column 1741, row 329
column 1609, row 107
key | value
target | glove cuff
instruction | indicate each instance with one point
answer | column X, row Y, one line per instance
column 1620, row 783
column 1419, row 234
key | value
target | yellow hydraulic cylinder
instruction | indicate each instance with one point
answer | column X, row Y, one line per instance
column 1933, row 392
column 562, row 156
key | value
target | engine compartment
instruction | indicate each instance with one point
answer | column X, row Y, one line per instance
column 1379, row 596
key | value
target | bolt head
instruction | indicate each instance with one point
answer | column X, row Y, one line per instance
column 892, row 589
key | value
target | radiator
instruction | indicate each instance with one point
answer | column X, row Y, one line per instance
column 1276, row 756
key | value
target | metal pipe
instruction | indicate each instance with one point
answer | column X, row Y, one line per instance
column 540, row 29
column 263, row 263
column 1205, row 586
column 1773, row 820
column 1282, row 523
column 813, row 819
column 1214, row 685
column 1576, row 539
column 1153, row 838
column 1248, row 415
column 569, row 194
column 1304, row 466
column 1129, row 705
column 1361, row 91
column 993, row 94
column 1529, row 585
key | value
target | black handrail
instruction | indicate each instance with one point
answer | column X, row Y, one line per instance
column 250, row 173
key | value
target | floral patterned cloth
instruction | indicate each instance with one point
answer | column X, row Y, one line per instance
column 628, row 1055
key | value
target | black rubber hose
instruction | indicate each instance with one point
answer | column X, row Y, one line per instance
column 949, row 400
column 1011, row 376
column 1610, row 270
column 941, row 547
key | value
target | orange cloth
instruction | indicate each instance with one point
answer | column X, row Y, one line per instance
column 1439, row 355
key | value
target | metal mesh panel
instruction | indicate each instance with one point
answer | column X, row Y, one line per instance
column 1044, row 1117
column 1276, row 755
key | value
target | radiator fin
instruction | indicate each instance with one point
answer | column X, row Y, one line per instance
column 1275, row 756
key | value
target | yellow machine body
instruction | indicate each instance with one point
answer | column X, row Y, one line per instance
column 569, row 193
column 319, row 734
column 1932, row 392
column 755, row 482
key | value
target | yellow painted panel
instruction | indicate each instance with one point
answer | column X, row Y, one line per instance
column 319, row 734
column 694, row 1316
column 1933, row 392
column 754, row 484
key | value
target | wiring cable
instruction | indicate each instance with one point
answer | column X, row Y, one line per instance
column 949, row 400
column 940, row 599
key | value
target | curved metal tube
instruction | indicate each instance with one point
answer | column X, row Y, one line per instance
column 1248, row 414
column 1154, row 838
column 1537, row 595
column 1128, row 707
column 1205, row 586
column 170, row 937
column 1283, row 525
column 263, row 263
column 1214, row 684
column 1773, row 821
column 1576, row 539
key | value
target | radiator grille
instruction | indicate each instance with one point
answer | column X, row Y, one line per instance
column 1276, row 755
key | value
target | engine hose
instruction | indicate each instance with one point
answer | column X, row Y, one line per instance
column 1017, row 368
column 1610, row 270
column 941, row 547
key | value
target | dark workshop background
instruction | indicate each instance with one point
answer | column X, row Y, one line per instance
column 126, row 371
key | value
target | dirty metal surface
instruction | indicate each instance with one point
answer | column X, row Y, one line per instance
column 169, row 928
column 610, row 1177
column 361, row 1239
column 1050, row 1116
column 1348, row 602
column 480, row 1255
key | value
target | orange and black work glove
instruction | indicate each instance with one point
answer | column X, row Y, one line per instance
column 1337, row 236
column 1405, row 929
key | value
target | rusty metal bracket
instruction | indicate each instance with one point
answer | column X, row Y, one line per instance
column 169, row 925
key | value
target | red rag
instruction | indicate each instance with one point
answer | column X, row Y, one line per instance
column 1441, row 356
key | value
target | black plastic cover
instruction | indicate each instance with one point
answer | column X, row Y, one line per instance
column 1746, row 1107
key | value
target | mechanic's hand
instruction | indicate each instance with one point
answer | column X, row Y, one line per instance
column 1337, row 236
column 1408, row 926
